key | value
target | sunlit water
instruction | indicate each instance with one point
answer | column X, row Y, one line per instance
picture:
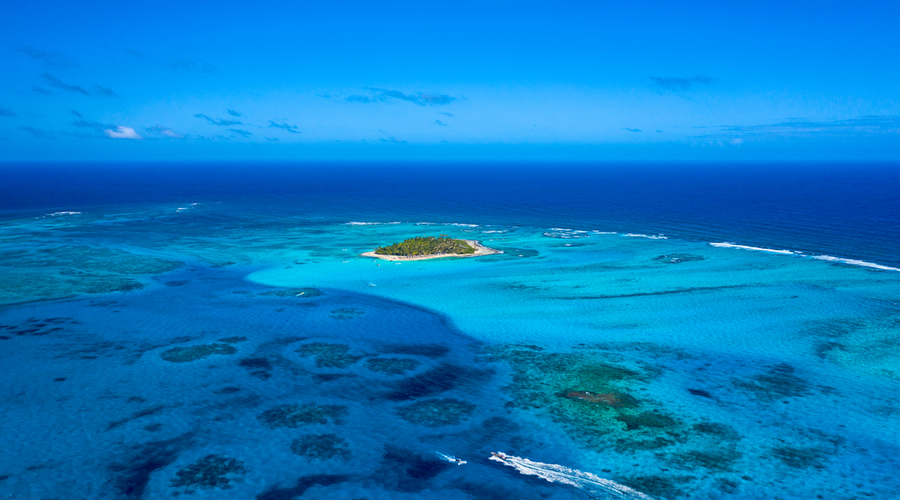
column 235, row 345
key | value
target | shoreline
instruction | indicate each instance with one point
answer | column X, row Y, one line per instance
column 479, row 251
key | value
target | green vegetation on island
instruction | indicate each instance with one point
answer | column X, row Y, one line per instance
column 427, row 245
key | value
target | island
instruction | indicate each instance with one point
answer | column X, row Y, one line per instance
column 431, row 247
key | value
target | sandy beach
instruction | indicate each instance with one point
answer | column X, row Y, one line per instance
column 479, row 251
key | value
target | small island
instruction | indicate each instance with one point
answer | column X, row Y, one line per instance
column 431, row 247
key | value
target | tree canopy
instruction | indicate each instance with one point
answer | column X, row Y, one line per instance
column 427, row 245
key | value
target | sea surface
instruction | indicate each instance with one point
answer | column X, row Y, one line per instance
column 671, row 331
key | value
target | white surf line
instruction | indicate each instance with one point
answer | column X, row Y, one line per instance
column 758, row 249
column 854, row 262
column 827, row 258
column 586, row 481
column 54, row 214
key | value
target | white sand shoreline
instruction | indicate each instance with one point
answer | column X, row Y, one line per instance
column 479, row 251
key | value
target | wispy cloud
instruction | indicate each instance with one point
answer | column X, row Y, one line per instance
column 290, row 128
column 7, row 112
column 438, row 122
column 218, row 121
column 242, row 133
column 272, row 139
column 103, row 91
column 635, row 130
column 669, row 83
column 233, row 112
column 41, row 90
column 863, row 125
column 185, row 65
column 122, row 133
column 165, row 132
column 393, row 140
column 419, row 98
column 59, row 84
column 37, row 133
column 446, row 114
column 52, row 58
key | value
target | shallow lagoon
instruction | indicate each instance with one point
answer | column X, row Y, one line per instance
column 217, row 353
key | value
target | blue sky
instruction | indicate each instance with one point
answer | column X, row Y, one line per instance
column 461, row 80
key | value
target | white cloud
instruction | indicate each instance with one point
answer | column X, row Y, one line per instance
column 122, row 133
column 737, row 141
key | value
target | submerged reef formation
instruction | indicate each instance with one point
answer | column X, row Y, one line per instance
column 195, row 352
column 678, row 258
column 437, row 412
column 328, row 355
column 211, row 471
column 593, row 394
column 391, row 366
column 294, row 416
column 46, row 272
column 347, row 313
column 321, row 446
column 302, row 292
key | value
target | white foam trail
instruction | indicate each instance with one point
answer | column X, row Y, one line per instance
column 450, row 458
column 758, row 249
column 648, row 236
column 463, row 225
column 604, row 232
column 54, row 214
column 854, row 262
column 351, row 223
column 586, row 481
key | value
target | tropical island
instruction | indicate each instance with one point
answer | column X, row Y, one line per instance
column 431, row 247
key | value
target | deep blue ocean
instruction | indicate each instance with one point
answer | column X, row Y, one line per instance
column 650, row 330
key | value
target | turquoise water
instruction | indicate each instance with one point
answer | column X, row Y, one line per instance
column 236, row 350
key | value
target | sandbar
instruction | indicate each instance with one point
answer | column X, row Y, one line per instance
column 479, row 251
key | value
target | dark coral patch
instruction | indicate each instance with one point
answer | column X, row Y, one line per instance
column 646, row 420
column 233, row 340
column 391, row 366
column 328, row 355
column 437, row 412
column 347, row 313
column 720, row 459
column 799, row 458
column 321, row 446
column 196, row 352
column 778, row 382
column 301, row 293
column 211, row 471
column 678, row 258
column 294, row 416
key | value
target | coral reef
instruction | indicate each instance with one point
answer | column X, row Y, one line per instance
column 391, row 366
column 211, row 471
column 799, row 458
column 328, row 355
column 195, row 352
column 321, row 446
column 346, row 313
column 778, row 382
column 302, row 293
column 295, row 416
column 678, row 258
column 437, row 412
column 233, row 340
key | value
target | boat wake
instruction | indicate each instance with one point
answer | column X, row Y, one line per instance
column 450, row 458
column 593, row 485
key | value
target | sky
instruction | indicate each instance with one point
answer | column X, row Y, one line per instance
column 459, row 80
